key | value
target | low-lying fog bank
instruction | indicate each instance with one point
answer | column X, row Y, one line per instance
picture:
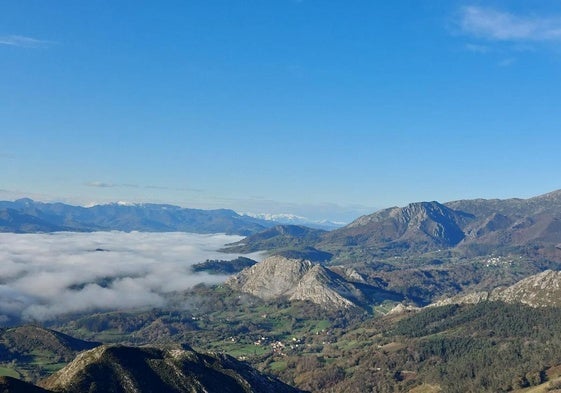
column 46, row 275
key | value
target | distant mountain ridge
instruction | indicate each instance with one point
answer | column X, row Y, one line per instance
column 469, row 227
column 292, row 219
column 422, row 225
column 277, row 237
column 28, row 216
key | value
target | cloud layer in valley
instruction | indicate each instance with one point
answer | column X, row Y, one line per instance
column 43, row 276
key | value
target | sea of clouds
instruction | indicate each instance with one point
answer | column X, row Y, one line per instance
column 43, row 276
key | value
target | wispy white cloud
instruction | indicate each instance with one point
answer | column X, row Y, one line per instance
column 492, row 24
column 101, row 184
column 46, row 275
column 23, row 41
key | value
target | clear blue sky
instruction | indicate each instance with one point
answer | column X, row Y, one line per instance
column 322, row 108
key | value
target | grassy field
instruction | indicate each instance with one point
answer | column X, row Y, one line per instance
column 9, row 372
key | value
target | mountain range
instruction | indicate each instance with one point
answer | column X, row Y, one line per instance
column 468, row 227
column 315, row 311
column 292, row 219
column 428, row 250
column 28, row 216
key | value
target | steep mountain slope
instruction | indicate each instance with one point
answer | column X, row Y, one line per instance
column 512, row 222
column 300, row 279
column 138, row 370
column 48, row 217
column 540, row 290
column 15, row 221
column 514, row 207
column 469, row 228
column 32, row 351
column 278, row 237
column 13, row 385
column 24, row 340
column 418, row 227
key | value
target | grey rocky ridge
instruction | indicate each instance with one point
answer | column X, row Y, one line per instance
column 279, row 277
column 295, row 279
column 540, row 290
column 469, row 228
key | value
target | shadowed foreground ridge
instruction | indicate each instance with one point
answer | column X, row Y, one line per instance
column 122, row 369
column 14, row 385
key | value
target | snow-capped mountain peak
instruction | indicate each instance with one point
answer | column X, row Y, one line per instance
column 293, row 219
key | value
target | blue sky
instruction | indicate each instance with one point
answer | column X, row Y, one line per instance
column 326, row 109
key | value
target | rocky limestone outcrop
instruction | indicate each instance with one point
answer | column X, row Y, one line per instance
column 296, row 279
column 539, row 290
column 470, row 298
column 323, row 287
column 402, row 308
column 271, row 278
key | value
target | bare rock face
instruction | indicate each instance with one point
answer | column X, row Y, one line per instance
column 402, row 308
column 323, row 287
column 272, row 278
column 13, row 385
column 470, row 298
column 296, row 279
column 540, row 290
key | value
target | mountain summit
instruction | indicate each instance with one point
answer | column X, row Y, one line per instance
column 422, row 226
column 122, row 369
column 300, row 279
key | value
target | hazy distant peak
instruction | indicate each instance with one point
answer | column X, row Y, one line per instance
column 125, row 203
column 294, row 219
column 27, row 215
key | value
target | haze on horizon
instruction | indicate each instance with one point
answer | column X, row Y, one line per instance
column 325, row 110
